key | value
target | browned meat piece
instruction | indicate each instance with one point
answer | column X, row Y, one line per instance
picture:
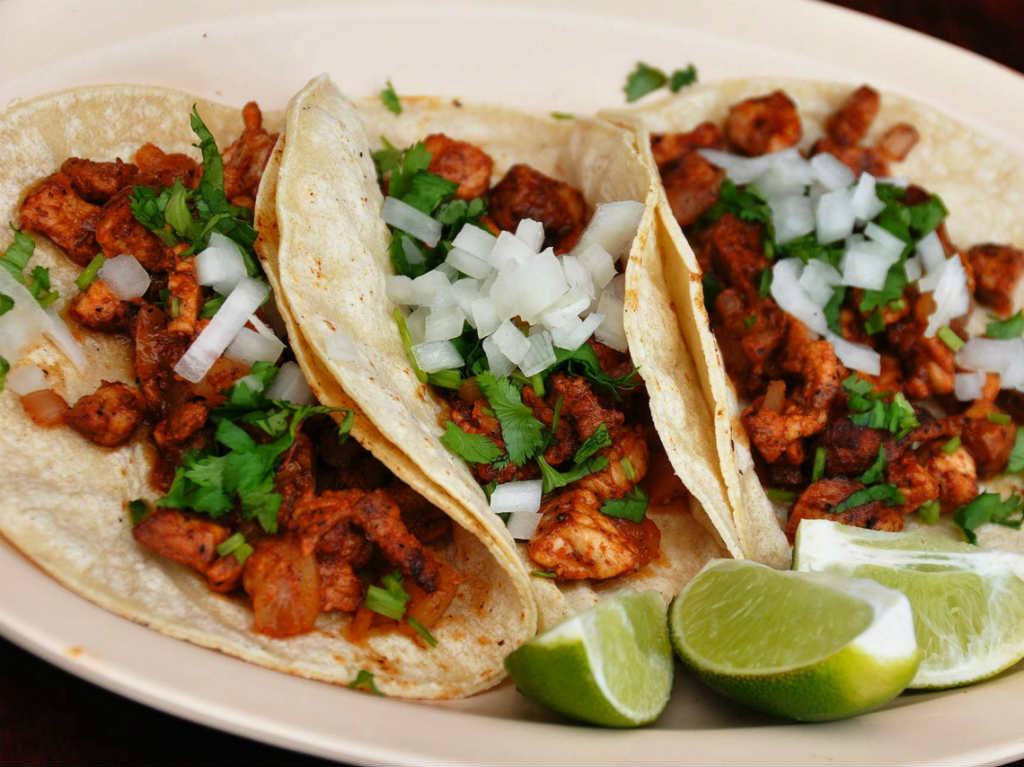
column 188, row 540
column 734, row 250
column 691, row 185
column 295, row 476
column 913, row 480
column 528, row 193
column 224, row 574
column 284, row 585
column 749, row 331
column 97, row 182
column 181, row 423
column 848, row 124
column 956, row 474
column 670, row 146
column 859, row 159
column 346, row 540
column 467, row 165
column 575, row 540
column 186, row 297
column 156, row 352
column 928, row 363
column 162, row 169
column 477, row 418
column 614, row 481
column 99, row 308
column 895, row 144
column 424, row 520
column 763, row 124
column 53, row 209
column 988, row 443
column 613, row 362
column 340, row 587
column 109, row 416
column 777, row 432
column 221, row 376
column 117, row 232
column 246, row 158
column 997, row 269
column 817, row 501
column 582, row 406
column 850, row 449
column 564, row 444
column 355, row 467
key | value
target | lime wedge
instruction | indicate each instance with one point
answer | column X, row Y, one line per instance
column 968, row 602
column 609, row 665
column 808, row 646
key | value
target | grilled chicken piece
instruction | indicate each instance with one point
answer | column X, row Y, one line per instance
column 692, row 185
column 185, row 539
column 245, row 159
column 763, row 124
column 628, row 449
column 162, row 169
column 671, row 146
column 55, row 210
column 468, row 166
column 997, row 270
column 849, row 124
column 109, row 416
column 97, row 182
column 528, row 193
column 99, row 308
column 117, row 232
column 817, row 501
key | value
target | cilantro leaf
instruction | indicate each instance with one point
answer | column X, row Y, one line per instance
column 876, row 470
column 868, row 408
column 631, row 506
column 888, row 493
column 682, row 77
column 389, row 600
column 562, row 115
column 746, row 204
column 1016, row 462
column 553, row 479
column 989, row 507
column 926, row 216
column 5, row 368
column 474, row 448
column 138, row 510
column 6, row 304
column 520, row 430
column 592, row 444
column 1011, row 327
column 364, row 681
column 422, row 631
column 642, row 81
column 389, row 98
column 831, row 309
column 16, row 258
column 583, row 362
column 427, row 191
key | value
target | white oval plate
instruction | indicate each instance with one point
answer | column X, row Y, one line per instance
column 573, row 57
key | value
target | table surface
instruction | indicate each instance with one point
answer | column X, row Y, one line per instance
column 38, row 701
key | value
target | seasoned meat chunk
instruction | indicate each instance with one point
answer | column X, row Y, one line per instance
column 763, row 124
column 340, row 587
column 245, row 159
column 850, row 449
column 97, row 182
column 580, row 404
column 913, row 480
column 957, row 476
column 750, row 332
column 186, row 296
column 162, row 169
column 284, row 584
column 734, row 250
column 997, row 270
column 528, row 193
column 188, row 540
column 99, row 308
column 691, row 185
column 848, row 124
column 988, row 443
column 477, row 418
column 156, row 352
column 859, row 159
column 817, row 501
column 181, row 423
column 109, row 416
column 55, row 210
column 671, row 146
column 895, row 144
column 467, row 165
column 117, row 232
column 627, row 465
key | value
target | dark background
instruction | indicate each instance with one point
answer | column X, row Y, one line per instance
column 48, row 717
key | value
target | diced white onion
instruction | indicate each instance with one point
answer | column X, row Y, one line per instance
column 617, row 287
column 912, row 266
column 818, row 279
column 22, row 325
column 599, row 263
column 509, row 251
column 523, row 524
column 511, row 497
column 527, row 289
column 833, row 216
column 251, row 347
column 995, row 355
column 575, row 333
column 399, row 289
column 866, row 204
column 784, row 179
column 968, row 386
column 897, row 181
column 743, row 170
column 531, row 233
column 613, row 227
column 952, row 298
column 485, row 317
column 791, row 297
column 830, row 172
column 450, row 272
column 467, row 263
column 541, row 355
column 475, row 240
column 578, row 276
column 856, row 356
column 510, row 340
column 931, row 251
column 793, row 217
column 26, row 379
column 290, row 385
column 444, row 323
column 432, row 356
column 222, row 329
column 412, row 251
column 465, row 292
column 416, row 322
column 220, row 265
column 611, row 332
column 403, row 216
column 866, row 265
column 567, row 308
column 432, row 289
column 889, row 242
column 497, row 362
column 126, row 277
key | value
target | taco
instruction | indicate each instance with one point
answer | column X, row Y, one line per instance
column 164, row 455
column 847, row 266
column 581, row 447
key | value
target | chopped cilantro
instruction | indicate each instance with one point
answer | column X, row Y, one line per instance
column 1016, row 462
column 831, row 309
column 926, row 216
column 631, row 506
column 406, row 336
column 892, row 289
column 389, row 98
column 951, row 446
column 627, row 468
column 764, row 283
column 867, row 408
column 520, row 430
column 597, row 440
column 746, row 204
column 875, row 323
column 562, row 115
column 820, row 456
column 643, row 80
column 138, row 509
column 16, row 258
column 422, row 631
column 345, row 426
column 950, row 338
column 236, row 545
column 6, row 304
column 554, row 479
column 989, row 507
column 390, row 600
column 1011, row 327
column 888, row 493
column 474, row 448
column 682, row 77
column 782, row 496
column 89, row 273
column 1003, row 419
column 876, row 470
column 583, row 362
column 5, row 368
column 929, row 512
column 364, row 681
column 542, row 574
column 446, row 379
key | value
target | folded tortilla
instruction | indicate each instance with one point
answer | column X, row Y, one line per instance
column 332, row 265
column 64, row 499
column 981, row 182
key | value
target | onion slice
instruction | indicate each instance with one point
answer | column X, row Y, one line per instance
column 290, row 385
column 404, row 216
column 26, row 380
column 126, row 277
column 512, row 497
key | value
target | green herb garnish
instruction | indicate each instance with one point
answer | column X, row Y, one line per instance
column 562, row 115
column 868, row 408
column 929, row 512
column 643, row 80
column 951, row 446
column 680, row 78
column 989, row 507
column 474, row 448
column 887, row 493
column 1003, row 419
column 390, row 600
column 631, row 506
column 138, row 510
column 364, row 681
column 554, row 479
column 782, row 496
column 88, row 274
column 16, row 258
column 1016, row 462
column 6, row 304
column 422, row 631
column 1011, row 327
column 876, row 470
column 543, row 574
column 520, row 430
column 389, row 98
column 950, row 339
column 596, row 441
column 236, row 545
column 820, row 455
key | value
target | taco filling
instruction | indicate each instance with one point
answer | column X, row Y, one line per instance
column 259, row 488
column 516, row 298
column 882, row 365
